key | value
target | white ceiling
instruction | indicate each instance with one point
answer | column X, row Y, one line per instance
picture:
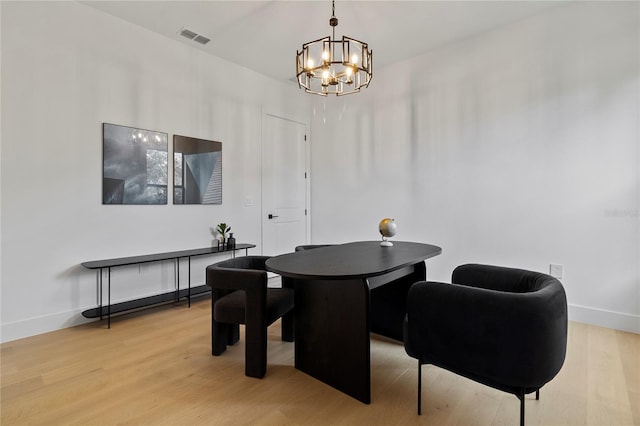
column 264, row 35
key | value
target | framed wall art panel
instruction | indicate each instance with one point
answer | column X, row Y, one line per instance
column 135, row 165
column 197, row 171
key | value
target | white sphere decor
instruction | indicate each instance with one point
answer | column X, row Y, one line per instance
column 388, row 229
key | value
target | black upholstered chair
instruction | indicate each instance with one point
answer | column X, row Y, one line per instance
column 241, row 296
column 502, row 327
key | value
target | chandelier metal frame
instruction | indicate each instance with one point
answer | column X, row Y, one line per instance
column 338, row 67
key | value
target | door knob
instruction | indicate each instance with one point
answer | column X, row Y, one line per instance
column 271, row 216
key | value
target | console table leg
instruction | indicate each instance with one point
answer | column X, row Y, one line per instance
column 99, row 295
column 108, row 297
column 178, row 280
column 189, row 282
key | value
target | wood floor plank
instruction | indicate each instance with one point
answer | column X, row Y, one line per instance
column 607, row 398
column 155, row 368
column 563, row 399
column 630, row 357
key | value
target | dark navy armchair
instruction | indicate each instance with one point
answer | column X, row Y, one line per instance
column 502, row 327
column 240, row 296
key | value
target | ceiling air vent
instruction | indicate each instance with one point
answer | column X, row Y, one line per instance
column 201, row 39
column 194, row 36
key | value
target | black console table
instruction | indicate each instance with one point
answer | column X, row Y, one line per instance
column 109, row 309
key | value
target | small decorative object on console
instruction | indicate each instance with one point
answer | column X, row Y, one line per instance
column 388, row 229
column 231, row 241
column 222, row 229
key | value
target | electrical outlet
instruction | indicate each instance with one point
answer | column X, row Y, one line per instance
column 248, row 200
column 556, row 270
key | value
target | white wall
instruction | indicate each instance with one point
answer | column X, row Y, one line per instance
column 66, row 69
column 519, row 147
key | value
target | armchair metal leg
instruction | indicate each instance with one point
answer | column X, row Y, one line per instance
column 419, row 387
column 538, row 395
column 521, row 398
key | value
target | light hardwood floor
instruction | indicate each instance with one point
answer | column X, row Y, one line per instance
column 155, row 368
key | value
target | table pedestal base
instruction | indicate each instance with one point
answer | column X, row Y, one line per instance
column 333, row 319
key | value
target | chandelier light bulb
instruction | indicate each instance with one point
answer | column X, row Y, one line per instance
column 310, row 63
column 354, row 59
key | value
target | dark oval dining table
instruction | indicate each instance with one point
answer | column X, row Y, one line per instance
column 343, row 293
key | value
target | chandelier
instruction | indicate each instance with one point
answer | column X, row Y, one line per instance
column 329, row 66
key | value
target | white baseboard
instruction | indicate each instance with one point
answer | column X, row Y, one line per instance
column 602, row 318
column 44, row 324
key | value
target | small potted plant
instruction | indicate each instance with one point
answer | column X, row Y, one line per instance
column 222, row 229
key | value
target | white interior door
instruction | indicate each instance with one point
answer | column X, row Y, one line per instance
column 284, row 185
